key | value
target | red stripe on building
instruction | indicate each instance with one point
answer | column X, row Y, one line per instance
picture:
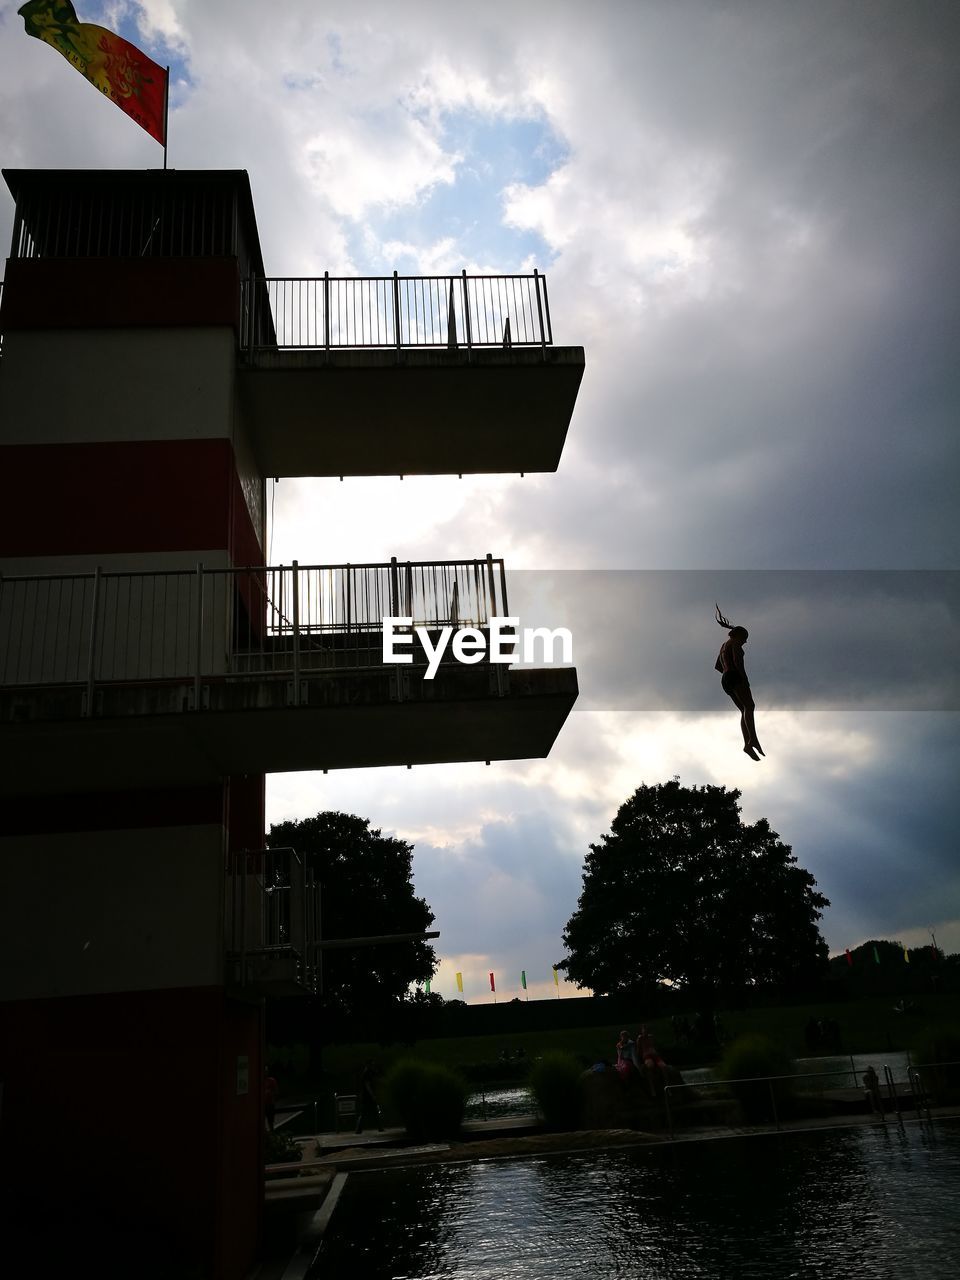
column 116, row 293
column 125, row 497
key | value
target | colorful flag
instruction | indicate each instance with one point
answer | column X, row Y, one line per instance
column 460, row 982
column 876, row 955
column 426, row 986
column 556, row 980
column 523, row 979
column 136, row 83
column 848, row 955
column 905, row 955
column 493, row 985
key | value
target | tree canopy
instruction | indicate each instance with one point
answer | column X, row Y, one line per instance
column 366, row 890
column 682, row 891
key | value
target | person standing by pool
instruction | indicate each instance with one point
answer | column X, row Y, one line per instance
column 367, row 1097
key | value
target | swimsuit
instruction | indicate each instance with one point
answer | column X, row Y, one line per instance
column 731, row 680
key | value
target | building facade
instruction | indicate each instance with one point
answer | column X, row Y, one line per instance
column 154, row 668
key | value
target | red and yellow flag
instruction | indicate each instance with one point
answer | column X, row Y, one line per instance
column 114, row 66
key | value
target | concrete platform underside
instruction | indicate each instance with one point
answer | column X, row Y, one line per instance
column 429, row 412
column 149, row 736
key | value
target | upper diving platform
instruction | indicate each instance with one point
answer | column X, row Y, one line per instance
column 390, row 375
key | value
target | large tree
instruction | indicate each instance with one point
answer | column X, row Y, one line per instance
column 366, row 889
column 682, row 891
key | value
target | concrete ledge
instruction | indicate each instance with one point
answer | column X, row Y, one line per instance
column 410, row 412
column 148, row 735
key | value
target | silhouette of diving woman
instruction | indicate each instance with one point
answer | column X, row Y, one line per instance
column 734, row 682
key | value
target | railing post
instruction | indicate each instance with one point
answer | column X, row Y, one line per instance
column 773, row 1103
column 543, row 336
column 546, row 306
column 92, row 655
column 295, row 570
column 395, row 613
column 319, row 939
column 666, row 1104
column 396, row 309
column 491, row 586
column 298, row 932
column 326, row 310
column 466, row 310
column 199, row 645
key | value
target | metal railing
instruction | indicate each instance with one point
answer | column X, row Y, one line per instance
column 817, row 1084
column 272, row 918
column 101, row 627
column 332, row 313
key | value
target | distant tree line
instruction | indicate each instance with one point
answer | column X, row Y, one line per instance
column 879, row 968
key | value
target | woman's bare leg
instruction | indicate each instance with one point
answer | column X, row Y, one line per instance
column 749, row 706
column 748, row 745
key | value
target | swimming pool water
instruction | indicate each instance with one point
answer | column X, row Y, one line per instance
column 857, row 1204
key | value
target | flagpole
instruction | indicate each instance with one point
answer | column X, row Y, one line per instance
column 166, row 112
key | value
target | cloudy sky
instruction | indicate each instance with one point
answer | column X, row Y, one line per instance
column 749, row 218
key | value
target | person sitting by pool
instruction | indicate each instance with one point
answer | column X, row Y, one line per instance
column 654, row 1067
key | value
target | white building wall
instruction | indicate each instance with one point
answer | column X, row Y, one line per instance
column 75, row 386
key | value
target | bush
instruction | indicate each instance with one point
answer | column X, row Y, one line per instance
column 288, row 1060
column 428, row 1098
column 555, row 1083
column 280, row 1148
column 755, row 1056
column 935, row 1046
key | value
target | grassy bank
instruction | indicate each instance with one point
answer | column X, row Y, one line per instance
column 866, row 1026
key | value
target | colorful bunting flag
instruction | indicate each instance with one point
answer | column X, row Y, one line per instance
column 905, row 955
column 493, row 985
column 426, row 986
column 523, row 979
column 136, row 83
column 460, row 982
column 849, row 956
column 556, row 980
column 876, row 955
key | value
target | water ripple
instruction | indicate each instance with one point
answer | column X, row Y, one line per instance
column 865, row 1203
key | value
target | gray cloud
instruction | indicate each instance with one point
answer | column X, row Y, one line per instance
column 754, row 234
column 841, row 639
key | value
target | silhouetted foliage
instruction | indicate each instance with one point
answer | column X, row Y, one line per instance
column 366, row 890
column 757, row 1057
column 555, row 1083
column 936, row 1050
column 429, row 1098
column 878, row 967
column 682, row 891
